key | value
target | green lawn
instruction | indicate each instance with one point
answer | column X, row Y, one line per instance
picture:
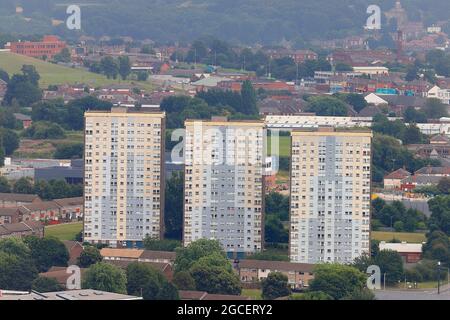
column 254, row 294
column 402, row 236
column 66, row 231
column 56, row 74
column 284, row 147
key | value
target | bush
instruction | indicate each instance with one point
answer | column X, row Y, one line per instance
column 69, row 151
column 44, row 130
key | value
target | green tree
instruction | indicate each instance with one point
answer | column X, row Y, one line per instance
column 143, row 279
column 142, row 76
column 275, row 232
column 444, row 185
column 110, row 67
column 411, row 115
column 69, row 151
column 5, row 187
column 336, row 280
column 17, row 268
column 161, row 245
column 24, row 186
column 44, row 284
column 327, row 106
column 30, row 72
column 173, row 206
column 10, row 141
column 248, row 98
column 63, row 56
column 47, row 252
column 90, row 255
column 187, row 256
column 105, row 277
column 183, row 281
column 275, row 286
column 17, row 273
column 124, row 67
column 435, row 109
column 215, row 279
column 440, row 214
column 22, row 90
column 391, row 264
column 4, row 75
column 44, row 130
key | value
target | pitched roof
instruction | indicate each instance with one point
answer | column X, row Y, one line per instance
column 421, row 180
column 9, row 228
column 369, row 111
column 8, row 212
column 398, row 174
column 440, row 138
column 18, row 197
column 39, row 206
column 66, row 202
column 433, row 171
column 22, row 117
column 70, row 244
column 121, row 253
column 158, row 255
column 276, row 265
column 401, row 247
column 160, row 266
column 191, row 294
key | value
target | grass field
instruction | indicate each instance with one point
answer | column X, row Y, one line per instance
column 254, row 294
column 402, row 236
column 56, row 74
column 44, row 149
column 284, row 147
column 66, row 231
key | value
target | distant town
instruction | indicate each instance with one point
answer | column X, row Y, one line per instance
column 137, row 170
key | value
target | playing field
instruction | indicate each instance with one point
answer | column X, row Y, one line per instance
column 402, row 236
column 66, row 231
column 55, row 74
column 284, row 147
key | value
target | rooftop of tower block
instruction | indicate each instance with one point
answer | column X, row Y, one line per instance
column 328, row 130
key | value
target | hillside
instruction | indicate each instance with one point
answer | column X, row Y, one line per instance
column 245, row 21
column 55, row 74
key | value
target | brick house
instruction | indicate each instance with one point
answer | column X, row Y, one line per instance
column 48, row 47
column 75, row 249
column 22, row 229
column 13, row 200
column 9, row 215
column 71, row 208
column 45, row 210
column 410, row 252
column 253, row 271
column 394, row 179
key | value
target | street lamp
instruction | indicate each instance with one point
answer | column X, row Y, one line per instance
column 439, row 277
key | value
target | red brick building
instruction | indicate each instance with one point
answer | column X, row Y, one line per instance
column 48, row 47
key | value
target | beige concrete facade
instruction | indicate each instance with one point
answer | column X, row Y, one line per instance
column 330, row 195
column 224, row 192
column 124, row 167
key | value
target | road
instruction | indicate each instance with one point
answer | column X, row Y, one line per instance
column 429, row 294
